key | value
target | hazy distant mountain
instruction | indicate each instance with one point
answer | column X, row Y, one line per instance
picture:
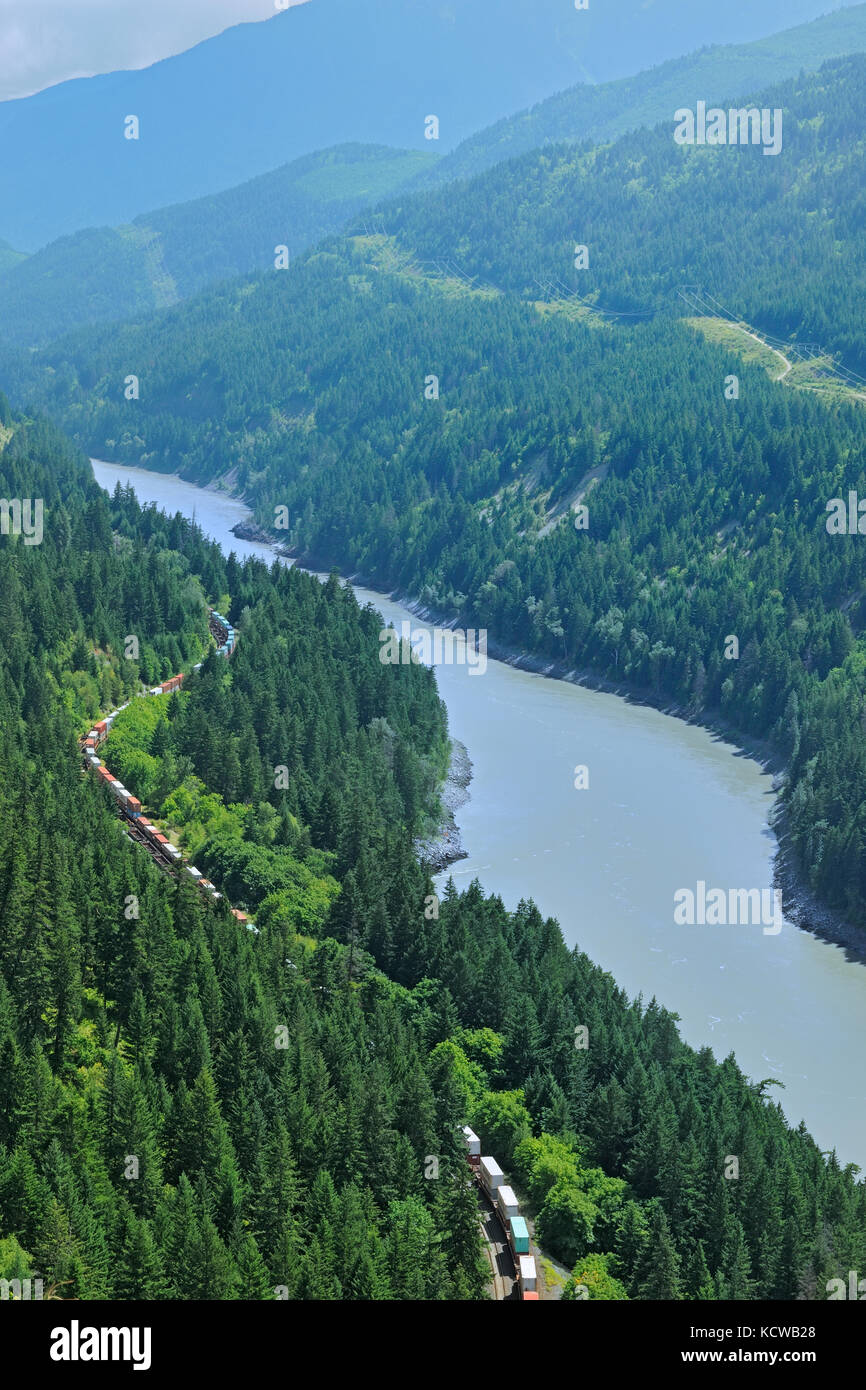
column 110, row 273
column 321, row 74
column 9, row 256
column 603, row 112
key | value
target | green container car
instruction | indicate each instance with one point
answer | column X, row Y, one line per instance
column 519, row 1235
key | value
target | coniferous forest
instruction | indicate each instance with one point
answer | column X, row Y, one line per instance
column 153, row 1034
column 260, row 1091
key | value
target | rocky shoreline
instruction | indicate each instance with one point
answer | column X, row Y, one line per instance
column 251, row 531
column 445, row 847
column 800, row 905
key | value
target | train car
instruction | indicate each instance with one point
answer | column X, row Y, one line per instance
column 133, row 808
column 240, row 916
column 527, row 1277
column 518, row 1237
column 174, row 684
column 101, row 729
column 473, row 1148
column 193, row 872
column 491, row 1176
column 506, row 1204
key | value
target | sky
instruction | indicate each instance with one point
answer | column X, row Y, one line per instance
column 47, row 41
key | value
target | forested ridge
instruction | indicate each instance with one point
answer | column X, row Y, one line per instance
column 107, row 273
column 149, row 1035
column 601, row 112
column 775, row 237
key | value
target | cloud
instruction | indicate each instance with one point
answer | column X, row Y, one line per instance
column 43, row 42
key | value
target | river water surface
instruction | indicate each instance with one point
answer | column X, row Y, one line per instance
column 667, row 805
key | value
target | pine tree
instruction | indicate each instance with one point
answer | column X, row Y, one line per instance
column 139, row 1273
column 659, row 1272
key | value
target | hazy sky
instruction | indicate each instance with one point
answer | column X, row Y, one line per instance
column 47, row 41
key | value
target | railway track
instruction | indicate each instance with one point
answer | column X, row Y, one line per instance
column 498, row 1253
column 162, row 860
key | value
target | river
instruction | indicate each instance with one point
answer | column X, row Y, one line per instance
column 667, row 806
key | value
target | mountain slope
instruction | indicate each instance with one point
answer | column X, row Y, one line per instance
column 776, row 239
column 123, row 272
column 9, row 257
column 604, row 112
column 322, row 74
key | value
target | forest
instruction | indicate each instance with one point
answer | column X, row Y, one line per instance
column 190, row 1109
column 157, row 1139
column 776, row 240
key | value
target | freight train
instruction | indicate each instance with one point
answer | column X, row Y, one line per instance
column 139, row 827
column 491, row 1178
column 223, row 632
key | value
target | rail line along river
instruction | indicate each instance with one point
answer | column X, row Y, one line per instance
column 668, row 806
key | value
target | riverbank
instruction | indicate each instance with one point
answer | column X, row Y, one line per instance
column 799, row 904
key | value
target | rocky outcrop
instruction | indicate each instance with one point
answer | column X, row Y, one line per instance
column 251, row 531
column 446, row 846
